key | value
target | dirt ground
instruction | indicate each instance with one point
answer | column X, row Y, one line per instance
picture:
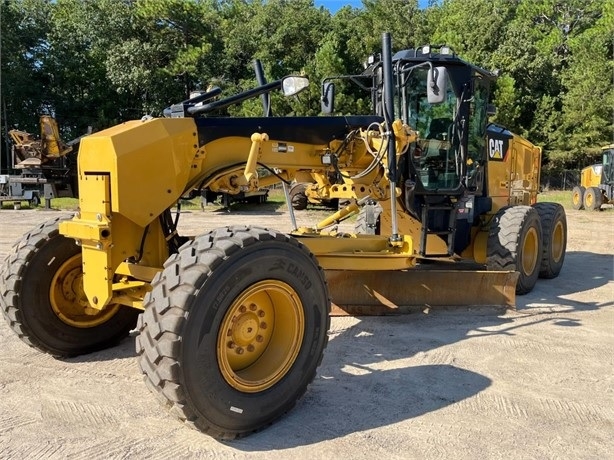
column 536, row 382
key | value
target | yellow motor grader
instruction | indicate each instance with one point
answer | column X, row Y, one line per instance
column 596, row 183
column 232, row 323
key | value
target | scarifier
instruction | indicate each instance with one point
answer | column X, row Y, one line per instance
column 234, row 322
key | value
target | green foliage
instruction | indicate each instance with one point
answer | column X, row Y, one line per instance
column 24, row 27
column 99, row 62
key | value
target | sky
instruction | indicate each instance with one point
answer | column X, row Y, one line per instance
column 334, row 5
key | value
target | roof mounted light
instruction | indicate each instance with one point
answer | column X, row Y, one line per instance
column 426, row 49
column 445, row 50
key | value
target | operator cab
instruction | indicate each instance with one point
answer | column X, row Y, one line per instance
column 445, row 99
column 607, row 173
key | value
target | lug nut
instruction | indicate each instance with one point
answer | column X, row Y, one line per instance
column 253, row 307
column 231, row 344
column 242, row 309
column 263, row 325
column 261, row 313
column 250, row 348
column 259, row 338
column 239, row 351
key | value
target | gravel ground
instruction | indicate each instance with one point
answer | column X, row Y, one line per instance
column 536, row 382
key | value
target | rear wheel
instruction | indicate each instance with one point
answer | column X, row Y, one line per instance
column 554, row 230
column 234, row 329
column 515, row 243
column 368, row 221
column 43, row 299
column 593, row 199
column 577, row 197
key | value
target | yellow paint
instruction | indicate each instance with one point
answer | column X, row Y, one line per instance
column 260, row 336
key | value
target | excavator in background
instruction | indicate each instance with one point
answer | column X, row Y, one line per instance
column 232, row 323
column 596, row 183
column 46, row 168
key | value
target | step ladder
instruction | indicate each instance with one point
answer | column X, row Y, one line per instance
column 448, row 233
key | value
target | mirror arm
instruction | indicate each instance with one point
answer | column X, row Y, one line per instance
column 235, row 99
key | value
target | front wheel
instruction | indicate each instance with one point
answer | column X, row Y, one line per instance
column 515, row 243
column 43, row 300
column 234, row 329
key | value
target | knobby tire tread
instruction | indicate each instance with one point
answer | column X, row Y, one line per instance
column 10, row 280
column 503, row 240
column 158, row 344
column 549, row 213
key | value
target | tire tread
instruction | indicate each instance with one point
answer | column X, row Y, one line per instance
column 167, row 307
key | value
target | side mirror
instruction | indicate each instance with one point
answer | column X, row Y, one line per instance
column 328, row 98
column 293, row 85
column 437, row 85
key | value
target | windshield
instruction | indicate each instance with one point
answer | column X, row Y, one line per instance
column 608, row 166
column 436, row 157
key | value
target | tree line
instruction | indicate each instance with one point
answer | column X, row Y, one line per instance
column 100, row 62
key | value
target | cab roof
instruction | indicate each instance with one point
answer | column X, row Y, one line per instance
column 417, row 55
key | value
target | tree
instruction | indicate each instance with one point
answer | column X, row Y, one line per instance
column 80, row 35
column 537, row 53
column 24, row 26
column 588, row 102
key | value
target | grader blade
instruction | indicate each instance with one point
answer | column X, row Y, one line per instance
column 393, row 292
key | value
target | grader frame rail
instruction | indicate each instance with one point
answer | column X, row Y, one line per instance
column 234, row 322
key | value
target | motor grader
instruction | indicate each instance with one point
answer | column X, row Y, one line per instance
column 232, row 323
column 596, row 183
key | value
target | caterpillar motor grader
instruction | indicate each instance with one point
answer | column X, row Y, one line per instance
column 232, row 323
column 596, row 183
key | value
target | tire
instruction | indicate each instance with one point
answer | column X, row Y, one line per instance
column 577, row 197
column 298, row 197
column 593, row 199
column 35, row 201
column 43, row 301
column 515, row 243
column 554, row 230
column 361, row 226
column 206, row 305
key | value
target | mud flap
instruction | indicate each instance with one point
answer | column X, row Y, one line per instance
column 394, row 292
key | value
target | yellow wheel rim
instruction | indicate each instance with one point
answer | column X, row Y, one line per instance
column 260, row 336
column 588, row 200
column 68, row 300
column 529, row 252
column 576, row 199
column 557, row 242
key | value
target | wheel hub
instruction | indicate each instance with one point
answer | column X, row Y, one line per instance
column 558, row 242
column 530, row 251
column 248, row 331
column 260, row 336
column 68, row 300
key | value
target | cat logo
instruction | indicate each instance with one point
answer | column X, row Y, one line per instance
column 497, row 149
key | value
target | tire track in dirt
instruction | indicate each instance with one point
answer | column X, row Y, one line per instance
column 34, row 451
column 9, row 422
column 549, row 409
column 78, row 413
